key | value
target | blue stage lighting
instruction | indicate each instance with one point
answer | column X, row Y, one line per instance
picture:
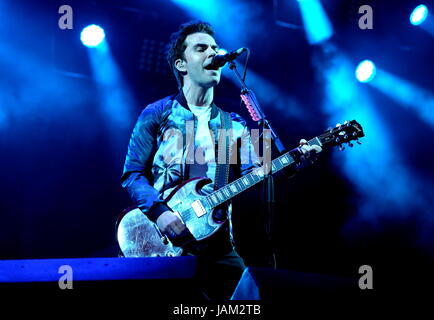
column 365, row 71
column 419, row 15
column 92, row 35
column 317, row 25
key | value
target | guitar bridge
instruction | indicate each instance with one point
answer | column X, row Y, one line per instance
column 198, row 208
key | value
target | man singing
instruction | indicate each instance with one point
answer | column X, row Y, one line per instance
column 158, row 160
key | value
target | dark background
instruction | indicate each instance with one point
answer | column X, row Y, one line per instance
column 62, row 153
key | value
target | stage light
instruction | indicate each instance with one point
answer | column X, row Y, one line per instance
column 237, row 22
column 92, row 35
column 419, row 15
column 317, row 25
column 407, row 94
column 365, row 71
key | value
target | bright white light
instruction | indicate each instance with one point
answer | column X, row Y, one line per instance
column 222, row 52
column 365, row 71
column 92, row 35
column 419, row 15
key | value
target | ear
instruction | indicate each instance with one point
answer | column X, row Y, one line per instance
column 180, row 65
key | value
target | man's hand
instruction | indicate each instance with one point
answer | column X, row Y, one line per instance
column 308, row 153
column 170, row 224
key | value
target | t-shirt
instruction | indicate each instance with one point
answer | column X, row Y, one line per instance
column 204, row 155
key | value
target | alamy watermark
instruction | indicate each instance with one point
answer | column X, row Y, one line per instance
column 65, row 281
column 175, row 142
column 366, row 280
column 366, row 21
column 66, row 20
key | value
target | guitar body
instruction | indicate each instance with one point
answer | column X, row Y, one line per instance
column 139, row 237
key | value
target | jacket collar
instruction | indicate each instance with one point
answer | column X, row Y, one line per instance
column 183, row 102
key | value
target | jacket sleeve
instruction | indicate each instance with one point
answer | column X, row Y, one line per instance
column 137, row 173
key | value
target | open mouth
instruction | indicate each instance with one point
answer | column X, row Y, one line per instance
column 210, row 67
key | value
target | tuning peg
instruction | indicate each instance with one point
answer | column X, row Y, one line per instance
column 338, row 125
column 341, row 147
column 358, row 142
column 346, row 122
column 350, row 144
column 329, row 129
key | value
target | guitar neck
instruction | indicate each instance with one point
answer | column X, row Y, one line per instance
column 258, row 174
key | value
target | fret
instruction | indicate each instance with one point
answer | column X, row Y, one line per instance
column 245, row 180
column 217, row 195
column 209, row 202
column 233, row 187
column 230, row 191
column 240, row 185
column 254, row 176
column 214, row 199
column 276, row 165
column 260, row 172
column 291, row 160
column 226, row 192
column 315, row 141
column 250, row 178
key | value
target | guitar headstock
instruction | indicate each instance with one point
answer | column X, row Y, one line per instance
column 342, row 133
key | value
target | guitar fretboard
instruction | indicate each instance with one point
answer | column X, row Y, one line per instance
column 256, row 175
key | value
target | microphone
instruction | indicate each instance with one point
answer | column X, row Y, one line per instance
column 220, row 60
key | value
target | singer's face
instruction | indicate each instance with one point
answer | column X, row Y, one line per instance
column 201, row 47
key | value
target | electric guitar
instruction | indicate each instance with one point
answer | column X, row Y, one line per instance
column 137, row 236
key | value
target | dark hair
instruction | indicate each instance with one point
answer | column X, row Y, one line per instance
column 177, row 44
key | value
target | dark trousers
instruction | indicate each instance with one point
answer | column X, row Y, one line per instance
column 218, row 276
column 219, row 267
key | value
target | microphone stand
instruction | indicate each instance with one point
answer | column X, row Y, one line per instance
column 258, row 115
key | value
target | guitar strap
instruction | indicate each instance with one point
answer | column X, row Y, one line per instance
column 223, row 151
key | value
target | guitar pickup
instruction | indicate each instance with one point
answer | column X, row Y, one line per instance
column 198, row 208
